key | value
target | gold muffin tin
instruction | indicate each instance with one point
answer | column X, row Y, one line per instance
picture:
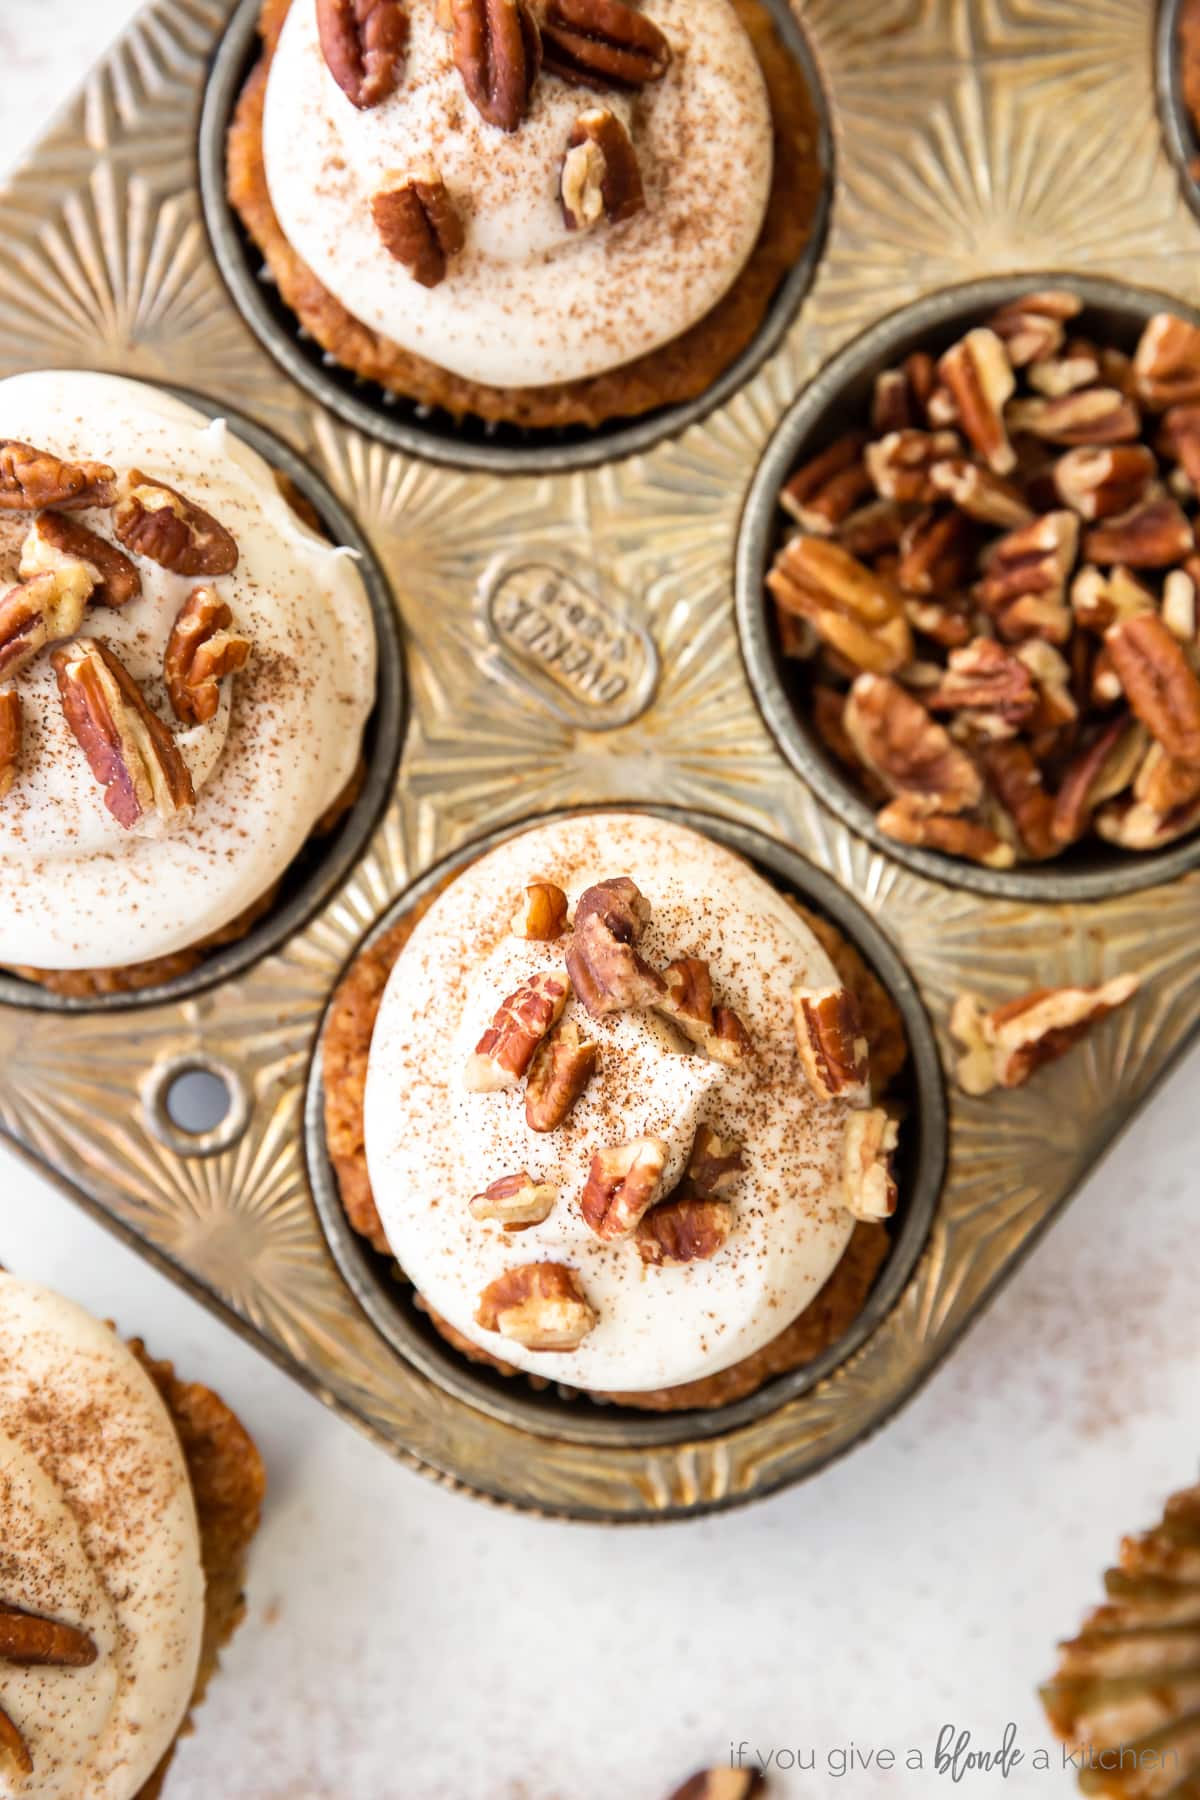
column 972, row 137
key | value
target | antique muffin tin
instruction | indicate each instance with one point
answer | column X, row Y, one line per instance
column 570, row 639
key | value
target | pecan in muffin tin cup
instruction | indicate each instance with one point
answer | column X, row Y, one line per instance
column 421, row 430
column 837, row 400
column 325, row 861
column 559, row 1413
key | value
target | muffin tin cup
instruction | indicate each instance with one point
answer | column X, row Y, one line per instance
column 324, row 862
column 570, row 642
column 429, row 432
column 564, row 1413
column 838, row 398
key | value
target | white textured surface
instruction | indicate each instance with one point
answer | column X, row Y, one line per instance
column 404, row 1644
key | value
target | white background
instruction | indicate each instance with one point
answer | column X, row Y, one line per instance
column 406, row 1644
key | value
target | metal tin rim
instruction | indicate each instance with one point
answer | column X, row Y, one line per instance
column 939, row 315
column 595, row 447
column 1177, row 129
column 385, row 732
column 584, row 1421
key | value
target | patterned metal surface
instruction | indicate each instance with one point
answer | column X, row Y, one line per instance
column 972, row 137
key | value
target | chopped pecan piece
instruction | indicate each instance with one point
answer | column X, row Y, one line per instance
column 937, row 551
column 13, row 1748
column 1133, row 825
column 1025, row 575
column 41, row 611
column 504, row 1052
column 420, row 226
column 1154, row 534
column 980, row 494
column 201, row 651
column 515, row 1201
column 1166, row 363
column 562, row 1066
column 829, row 708
column 10, row 739
column 983, row 678
column 901, row 464
column 688, row 1001
column 541, row 912
column 153, row 520
column 901, row 397
column 1099, row 415
column 980, row 376
column 909, row 823
column 31, row 479
column 1179, row 440
column 364, row 44
column 1179, row 605
column 600, row 177
column 833, row 1049
column 1016, row 780
column 623, row 1183
column 825, row 490
column 1004, row 1046
column 868, row 1185
column 1099, row 600
column 1056, row 704
column 498, row 50
column 684, row 1229
column 30, row 1641
column 714, row 1163
column 855, row 611
column 603, row 43
column 1097, row 772
column 1078, row 367
column 872, row 530
column 56, row 540
column 602, row 959
column 129, row 750
column 1031, row 327
column 538, row 1305
column 1100, row 482
column 1159, row 682
column 908, row 750
column 1165, row 785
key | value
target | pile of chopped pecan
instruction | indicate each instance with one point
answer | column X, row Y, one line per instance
column 990, row 589
column 66, row 570
column 501, row 49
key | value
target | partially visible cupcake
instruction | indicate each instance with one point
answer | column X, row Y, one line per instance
column 545, row 212
column 128, row 1500
column 186, row 670
column 613, row 1114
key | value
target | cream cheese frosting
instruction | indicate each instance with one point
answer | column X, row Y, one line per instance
column 99, row 1533
column 76, row 889
column 527, row 302
column 431, row 1145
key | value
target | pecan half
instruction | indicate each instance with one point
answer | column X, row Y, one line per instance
column 515, row 1201
column 825, row 490
column 503, row 1054
column 541, row 912
column 1166, row 363
column 1159, row 682
column 155, row 521
column 562, row 1066
column 907, row 749
column 30, row 1641
column 937, row 552
column 13, row 1748
column 420, row 226
column 55, row 539
column 684, row 1229
column 1100, row 482
column 1004, row 1046
column 1133, row 825
column 854, row 610
column 1165, row 785
column 42, row 610
column 1099, row 415
column 910, row 823
column 603, row 43
column 868, row 1185
column 539, row 1305
column 833, row 1050
column 980, row 494
column 1154, row 534
column 11, row 734
column 1031, row 327
column 31, row 479
column 1077, row 367
column 1016, row 780
column 984, row 679
column 714, row 1163
column 623, row 1183
column 901, row 464
column 600, row 177
column 129, row 750
column 1097, row 772
column 688, row 1001
column 364, row 44
column 1178, row 440
column 1023, row 586
column 901, row 397
column 498, row 50
column 980, row 376
column 201, row 652
column 602, row 959
column 1099, row 600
